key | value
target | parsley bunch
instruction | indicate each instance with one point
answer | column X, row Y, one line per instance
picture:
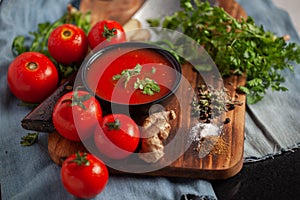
column 236, row 45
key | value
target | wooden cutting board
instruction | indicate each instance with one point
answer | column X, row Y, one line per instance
column 225, row 159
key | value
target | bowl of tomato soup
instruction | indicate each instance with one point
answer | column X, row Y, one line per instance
column 131, row 76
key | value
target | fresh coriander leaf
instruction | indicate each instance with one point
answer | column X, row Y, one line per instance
column 127, row 74
column 117, row 77
column 147, row 85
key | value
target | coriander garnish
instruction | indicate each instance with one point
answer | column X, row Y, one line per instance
column 147, row 85
column 153, row 70
column 127, row 74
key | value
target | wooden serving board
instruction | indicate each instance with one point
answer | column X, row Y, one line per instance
column 222, row 162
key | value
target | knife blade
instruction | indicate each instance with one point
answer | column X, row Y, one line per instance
column 158, row 9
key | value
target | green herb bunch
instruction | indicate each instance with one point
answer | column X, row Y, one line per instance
column 236, row 45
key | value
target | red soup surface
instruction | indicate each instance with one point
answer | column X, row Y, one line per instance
column 120, row 75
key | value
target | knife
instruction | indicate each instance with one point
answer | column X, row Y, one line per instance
column 157, row 9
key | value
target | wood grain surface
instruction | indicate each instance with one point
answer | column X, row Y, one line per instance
column 220, row 163
column 118, row 10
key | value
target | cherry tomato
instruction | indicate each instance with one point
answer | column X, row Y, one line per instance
column 76, row 114
column 84, row 175
column 32, row 77
column 68, row 44
column 117, row 136
column 106, row 32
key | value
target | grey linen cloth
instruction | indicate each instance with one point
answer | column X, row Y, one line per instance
column 29, row 173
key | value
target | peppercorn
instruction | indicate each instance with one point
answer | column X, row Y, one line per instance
column 227, row 120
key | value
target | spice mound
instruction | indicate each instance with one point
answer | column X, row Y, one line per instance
column 208, row 138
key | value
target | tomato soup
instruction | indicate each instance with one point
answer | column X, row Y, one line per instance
column 130, row 75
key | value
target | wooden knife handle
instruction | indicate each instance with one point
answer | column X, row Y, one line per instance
column 40, row 118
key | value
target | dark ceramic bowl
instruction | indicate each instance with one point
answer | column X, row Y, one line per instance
column 135, row 109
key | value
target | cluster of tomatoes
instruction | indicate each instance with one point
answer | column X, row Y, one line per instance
column 77, row 115
column 32, row 76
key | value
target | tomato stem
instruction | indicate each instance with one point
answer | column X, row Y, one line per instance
column 81, row 159
column 77, row 100
column 115, row 125
column 31, row 66
column 67, row 33
column 108, row 33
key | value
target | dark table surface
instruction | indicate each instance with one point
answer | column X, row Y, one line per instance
column 274, row 178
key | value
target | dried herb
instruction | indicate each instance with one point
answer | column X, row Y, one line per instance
column 209, row 103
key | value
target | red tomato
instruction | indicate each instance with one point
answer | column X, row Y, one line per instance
column 84, row 175
column 68, row 44
column 32, row 77
column 106, row 32
column 117, row 136
column 75, row 115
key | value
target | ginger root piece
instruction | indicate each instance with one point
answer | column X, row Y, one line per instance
column 156, row 128
column 152, row 149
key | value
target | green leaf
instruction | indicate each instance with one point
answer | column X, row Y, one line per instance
column 147, row 85
column 18, row 46
column 254, row 98
column 153, row 22
column 127, row 74
column 244, row 89
column 29, row 139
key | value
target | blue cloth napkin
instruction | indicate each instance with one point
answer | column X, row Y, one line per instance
column 272, row 125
